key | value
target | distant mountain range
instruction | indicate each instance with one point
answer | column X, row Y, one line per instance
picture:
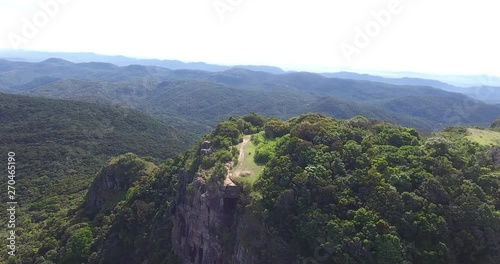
column 34, row 56
column 486, row 93
column 484, row 88
column 193, row 101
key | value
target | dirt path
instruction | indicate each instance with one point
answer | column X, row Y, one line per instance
column 229, row 166
column 246, row 139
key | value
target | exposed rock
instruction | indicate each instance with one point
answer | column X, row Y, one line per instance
column 205, row 144
column 210, row 225
column 194, row 223
column 114, row 180
column 202, row 222
column 204, row 152
column 205, row 149
column 106, row 184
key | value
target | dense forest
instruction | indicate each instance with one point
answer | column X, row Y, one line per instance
column 59, row 147
column 331, row 191
column 195, row 101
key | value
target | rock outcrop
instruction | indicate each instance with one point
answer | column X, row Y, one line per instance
column 212, row 224
column 205, row 149
column 112, row 183
column 107, row 184
column 204, row 217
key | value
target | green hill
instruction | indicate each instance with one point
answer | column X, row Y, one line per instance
column 333, row 191
column 59, row 147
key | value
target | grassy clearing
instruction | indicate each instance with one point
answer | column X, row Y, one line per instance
column 248, row 169
column 484, row 137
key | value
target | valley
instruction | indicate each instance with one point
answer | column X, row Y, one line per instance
column 195, row 101
column 59, row 147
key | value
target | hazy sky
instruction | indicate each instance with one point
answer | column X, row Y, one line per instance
column 445, row 36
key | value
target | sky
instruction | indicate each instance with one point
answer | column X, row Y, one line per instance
column 439, row 37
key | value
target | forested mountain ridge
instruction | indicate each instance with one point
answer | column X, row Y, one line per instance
column 331, row 191
column 465, row 83
column 13, row 74
column 59, row 147
column 33, row 56
column 195, row 101
column 483, row 90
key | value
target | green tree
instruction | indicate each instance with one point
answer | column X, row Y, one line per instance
column 78, row 246
column 276, row 128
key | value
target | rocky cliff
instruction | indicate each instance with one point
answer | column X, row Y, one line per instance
column 214, row 223
column 114, row 180
column 203, row 214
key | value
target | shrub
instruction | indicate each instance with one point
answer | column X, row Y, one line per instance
column 78, row 246
column 276, row 128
